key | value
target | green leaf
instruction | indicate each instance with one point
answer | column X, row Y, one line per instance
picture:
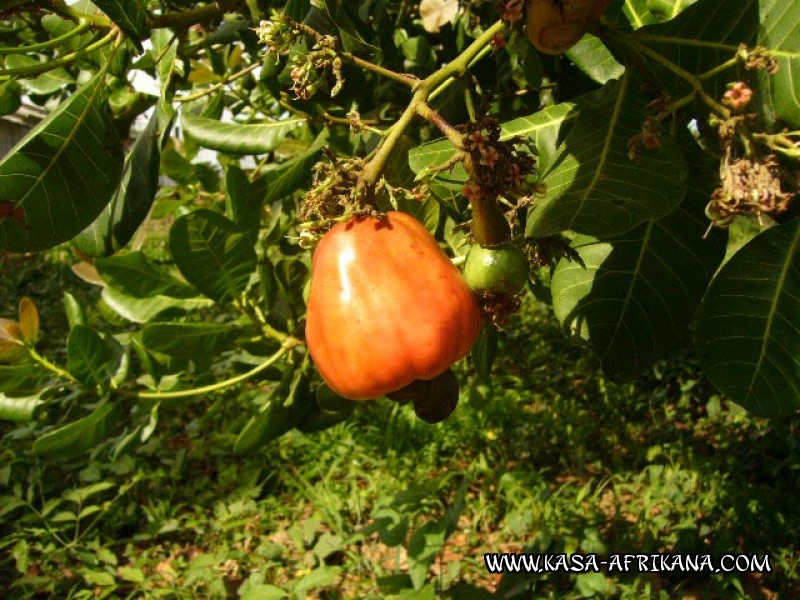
column 62, row 174
column 328, row 410
column 319, row 578
column 189, row 340
column 130, row 16
column 424, row 546
column 263, row 428
column 144, row 310
column 353, row 33
column 747, row 335
column 131, row 203
column 212, row 254
column 594, row 186
column 73, row 310
column 281, row 412
column 10, row 97
column 45, row 84
column 18, row 409
column 592, row 57
column 21, row 378
column 98, row 578
column 780, row 34
column 262, row 591
column 91, row 359
column 700, row 38
column 135, row 275
column 484, row 351
column 236, row 138
column 288, row 177
column 244, row 206
column 638, row 293
column 645, row 12
column 81, row 435
column 81, row 495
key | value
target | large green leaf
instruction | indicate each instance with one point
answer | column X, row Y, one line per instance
column 135, row 275
column 638, row 13
column 288, row 403
column 594, row 186
column 243, row 205
column 18, row 409
column 280, row 182
column 635, row 298
column 189, row 340
column 81, row 435
column 780, row 33
column 144, row 310
column 129, row 15
column 748, row 332
column 115, row 226
column 44, row 84
column 353, row 32
column 22, row 378
column 592, row 57
column 91, row 359
column 212, row 254
column 62, row 174
column 703, row 36
column 236, row 138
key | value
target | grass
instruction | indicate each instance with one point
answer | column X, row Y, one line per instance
column 549, row 456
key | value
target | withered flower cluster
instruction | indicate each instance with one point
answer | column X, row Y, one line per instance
column 748, row 186
column 334, row 188
column 496, row 167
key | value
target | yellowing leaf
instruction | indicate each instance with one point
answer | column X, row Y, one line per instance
column 201, row 74
column 11, row 347
column 436, row 13
column 86, row 271
column 28, row 319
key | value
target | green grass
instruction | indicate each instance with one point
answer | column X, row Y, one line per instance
column 548, row 457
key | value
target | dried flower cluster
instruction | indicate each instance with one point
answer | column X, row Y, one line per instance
column 547, row 251
column 496, row 167
column 748, row 187
column 759, row 58
column 334, row 188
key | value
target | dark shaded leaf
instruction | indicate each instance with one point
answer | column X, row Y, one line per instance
column 62, row 174
column 638, row 293
column 120, row 220
column 747, row 335
column 212, row 254
column 289, row 177
column 189, row 340
column 243, row 205
column 92, row 360
column 79, row 436
column 594, row 186
column 129, row 15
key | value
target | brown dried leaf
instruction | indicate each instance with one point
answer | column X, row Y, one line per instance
column 436, row 13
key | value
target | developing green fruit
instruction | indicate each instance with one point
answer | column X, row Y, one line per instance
column 502, row 270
